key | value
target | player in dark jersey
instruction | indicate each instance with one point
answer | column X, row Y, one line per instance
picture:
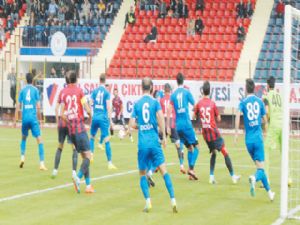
column 117, row 117
column 73, row 102
column 62, row 134
column 207, row 110
column 165, row 102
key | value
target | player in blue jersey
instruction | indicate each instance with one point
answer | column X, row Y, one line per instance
column 180, row 100
column 29, row 100
column 100, row 98
column 254, row 112
column 147, row 116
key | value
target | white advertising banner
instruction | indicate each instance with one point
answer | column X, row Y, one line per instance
column 224, row 94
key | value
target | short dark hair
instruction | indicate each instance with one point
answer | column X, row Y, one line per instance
column 29, row 78
column 102, row 78
column 206, row 88
column 180, row 78
column 67, row 79
column 167, row 87
column 250, row 86
column 147, row 84
column 271, row 82
column 72, row 76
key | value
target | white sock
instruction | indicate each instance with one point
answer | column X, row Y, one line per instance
column 173, row 201
column 22, row 157
column 42, row 163
column 74, row 174
column 211, row 177
column 54, row 172
column 148, row 201
column 149, row 173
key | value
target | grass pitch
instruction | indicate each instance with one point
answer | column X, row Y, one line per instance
column 118, row 198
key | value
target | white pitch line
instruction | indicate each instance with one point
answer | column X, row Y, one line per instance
column 36, row 192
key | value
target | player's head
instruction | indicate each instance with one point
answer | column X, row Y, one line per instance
column 151, row 88
column 72, row 76
column 206, row 88
column 180, row 79
column 250, row 86
column 29, row 78
column 271, row 82
column 102, row 78
column 67, row 78
column 167, row 88
column 147, row 85
column 116, row 92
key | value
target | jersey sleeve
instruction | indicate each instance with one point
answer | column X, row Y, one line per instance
column 241, row 107
column 107, row 95
column 263, row 109
column 191, row 98
column 157, row 106
column 196, row 108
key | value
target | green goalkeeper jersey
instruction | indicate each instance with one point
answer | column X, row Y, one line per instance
column 273, row 101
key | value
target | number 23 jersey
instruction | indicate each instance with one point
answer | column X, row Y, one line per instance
column 253, row 110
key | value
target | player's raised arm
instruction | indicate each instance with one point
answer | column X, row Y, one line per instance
column 86, row 106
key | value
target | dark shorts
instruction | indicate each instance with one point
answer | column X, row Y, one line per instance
column 63, row 132
column 216, row 144
column 81, row 141
column 173, row 137
column 117, row 121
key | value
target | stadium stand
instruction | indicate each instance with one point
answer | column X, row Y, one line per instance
column 270, row 60
column 85, row 24
column 212, row 55
column 11, row 12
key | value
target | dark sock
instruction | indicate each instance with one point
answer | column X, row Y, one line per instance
column 57, row 158
column 85, row 166
column 74, row 159
column 212, row 163
column 229, row 164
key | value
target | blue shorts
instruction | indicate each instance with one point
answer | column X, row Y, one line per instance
column 188, row 137
column 256, row 151
column 216, row 144
column 32, row 125
column 80, row 141
column 104, row 128
column 153, row 157
column 63, row 133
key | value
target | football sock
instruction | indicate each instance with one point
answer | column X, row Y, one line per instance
column 212, row 163
column 111, row 132
column 84, row 169
column 259, row 175
column 264, row 179
column 57, row 158
column 41, row 152
column 74, row 159
column 195, row 156
column 23, row 147
column 229, row 165
column 179, row 153
column 190, row 158
column 87, row 177
column 169, row 185
column 92, row 145
column 108, row 151
column 144, row 187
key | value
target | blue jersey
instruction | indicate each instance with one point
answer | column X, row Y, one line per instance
column 99, row 97
column 29, row 97
column 144, row 111
column 181, row 99
column 253, row 110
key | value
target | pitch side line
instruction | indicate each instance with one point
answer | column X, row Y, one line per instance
column 36, row 192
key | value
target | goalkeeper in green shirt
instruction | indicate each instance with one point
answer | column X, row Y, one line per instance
column 273, row 103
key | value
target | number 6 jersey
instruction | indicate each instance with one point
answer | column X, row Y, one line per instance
column 253, row 110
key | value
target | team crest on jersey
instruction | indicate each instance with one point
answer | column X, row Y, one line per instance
column 51, row 92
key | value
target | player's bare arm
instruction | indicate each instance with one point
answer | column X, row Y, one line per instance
column 132, row 123
column 161, row 125
column 237, row 125
column 17, row 113
column 169, row 111
column 39, row 114
column 57, row 111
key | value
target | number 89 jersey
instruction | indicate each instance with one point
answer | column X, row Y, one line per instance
column 144, row 112
column 253, row 109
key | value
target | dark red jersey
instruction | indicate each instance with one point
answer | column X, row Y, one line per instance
column 207, row 110
column 165, row 103
column 71, row 98
column 117, row 105
column 61, row 122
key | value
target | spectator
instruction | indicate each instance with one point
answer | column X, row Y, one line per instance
column 2, row 34
column 249, row 9
column 200, row 5
column 9, row 24
column 170, row 13
column 142, row 4
column 86, row 7
column 241, row 33
column 173, row 5
column 52, row 8
column 280, row 9
column 101, row 7
column 162, row 9
column 53, row 73
column 109, row 10
column 45, row 35
column 12, row 77
column 61, row 15
column 183, row 9
column 199, row 26
column 240, row 10
column 191, row 28
column 153, row 34
column 130, row 17
column 150, row 5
